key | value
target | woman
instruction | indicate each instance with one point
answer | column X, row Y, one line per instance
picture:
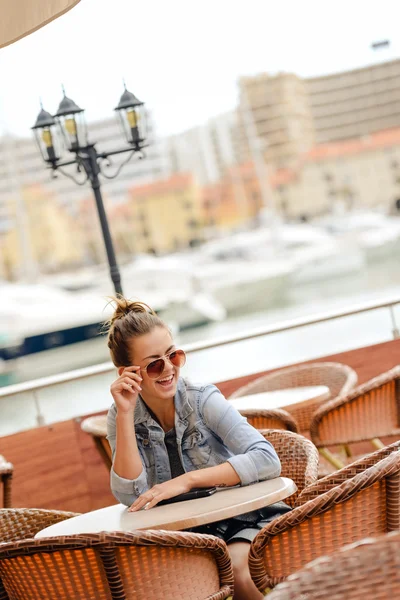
column 169, row 436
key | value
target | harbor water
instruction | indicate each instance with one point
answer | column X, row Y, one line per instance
column 375, row 282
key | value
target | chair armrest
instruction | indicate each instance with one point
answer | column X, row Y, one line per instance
column 330, row 481
column 23, row 523
column 322, row 525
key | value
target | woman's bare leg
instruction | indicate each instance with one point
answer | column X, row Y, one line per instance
column 243, row 583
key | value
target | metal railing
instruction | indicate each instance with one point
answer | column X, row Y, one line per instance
column 87, row 372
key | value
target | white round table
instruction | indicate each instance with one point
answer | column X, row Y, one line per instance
column 224, row 504
column 282, row 398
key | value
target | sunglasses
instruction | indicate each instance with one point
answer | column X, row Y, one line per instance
column 177, row 358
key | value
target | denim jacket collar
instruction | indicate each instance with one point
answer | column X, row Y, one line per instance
column 182, row 406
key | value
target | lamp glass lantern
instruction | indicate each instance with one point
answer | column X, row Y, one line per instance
column 46, row 137
column 133, row 120
column 72, row 124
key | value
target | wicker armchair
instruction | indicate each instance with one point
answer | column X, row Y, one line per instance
column 23, row 523
column 366, row 505
column 272, row 418
column 339, row 378
column 97, row 427
column 6, row 473
column 118, row 565
column 332, row 480
column 370, row 568
column 369, row 412
column 299, row 459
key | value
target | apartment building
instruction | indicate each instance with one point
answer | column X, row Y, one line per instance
column 274, row 112
column 291, row 115
column 163, row 216
column 206, row 151
column 361, row 173
column 354, row 103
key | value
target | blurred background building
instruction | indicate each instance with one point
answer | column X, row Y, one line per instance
column 166, row 215
column 207, row 151
column 298, row 148
column 293, row 114
column 355, row 103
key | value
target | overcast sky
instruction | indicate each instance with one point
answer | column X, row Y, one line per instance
column 183, row 57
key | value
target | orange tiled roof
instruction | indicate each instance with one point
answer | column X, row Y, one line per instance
column 174, row 183
column 120, row 210
column 380, row 139
column 279, row 177
column 282, row 177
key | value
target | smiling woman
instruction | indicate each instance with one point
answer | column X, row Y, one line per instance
column 169, row 436
column 18, row 19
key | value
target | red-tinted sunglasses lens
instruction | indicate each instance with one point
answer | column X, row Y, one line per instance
column 178, row 358
column 155, row 368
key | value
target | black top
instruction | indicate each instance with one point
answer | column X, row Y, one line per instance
column 173, row 454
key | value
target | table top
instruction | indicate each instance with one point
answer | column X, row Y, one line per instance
column 223, row 504
column 281, row 398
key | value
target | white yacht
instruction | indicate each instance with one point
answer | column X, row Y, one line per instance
column 308, row 253
column 163, row 283
column 316, row 254
column 170, row 286
column 377, row 234
column 239, row 281
column 49, row 325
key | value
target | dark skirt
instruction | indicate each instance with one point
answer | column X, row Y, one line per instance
column 243, row 528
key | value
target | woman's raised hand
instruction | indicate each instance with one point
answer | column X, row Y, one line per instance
column 126, row 388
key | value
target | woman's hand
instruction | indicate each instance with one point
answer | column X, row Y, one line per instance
column 126, row 388
column 161, row 491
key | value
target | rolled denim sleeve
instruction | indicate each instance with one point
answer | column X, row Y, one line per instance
column 254, row 458
column 124, row 490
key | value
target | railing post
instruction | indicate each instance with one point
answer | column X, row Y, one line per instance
column 395, row 330
column 39, row 417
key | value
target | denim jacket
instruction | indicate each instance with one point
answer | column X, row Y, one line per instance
column 209, row 432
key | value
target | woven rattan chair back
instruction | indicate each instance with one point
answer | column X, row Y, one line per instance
column 6, row 474
column 372, row 410
column 366, row 505
column 339, row 378
column 299, row 459
column 23, row 523
column 117, row 566
column 97, row 427
column 370, row 568
column 330, row 481
column 273, row 418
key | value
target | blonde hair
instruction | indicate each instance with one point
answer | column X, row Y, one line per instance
column 130, row 320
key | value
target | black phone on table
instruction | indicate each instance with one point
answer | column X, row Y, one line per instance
column 191, row 495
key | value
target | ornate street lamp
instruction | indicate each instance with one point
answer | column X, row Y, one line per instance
column 68, row 128
column 133, row 118
column 72, row 124
column 44, row 130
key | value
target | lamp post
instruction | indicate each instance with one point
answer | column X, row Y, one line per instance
column 67, row 129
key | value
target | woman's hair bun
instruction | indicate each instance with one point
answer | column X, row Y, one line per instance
column 123, row 306
column 131, row 319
